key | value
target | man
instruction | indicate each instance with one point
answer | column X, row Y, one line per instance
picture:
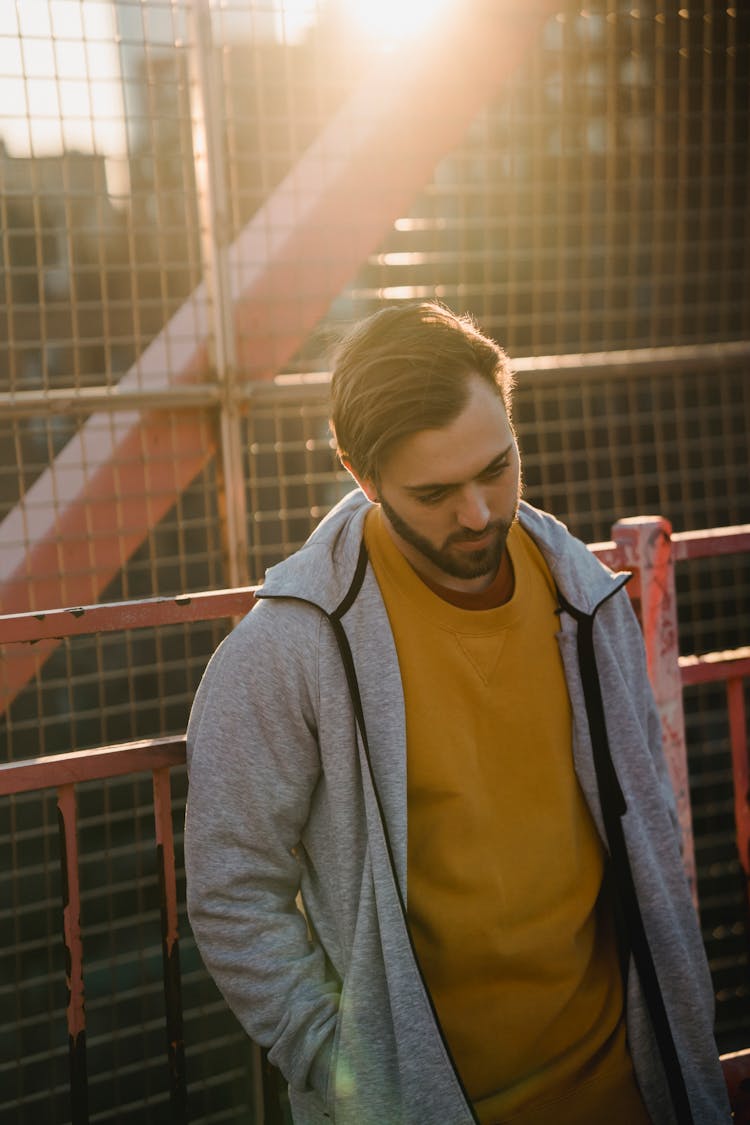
column 436, row 727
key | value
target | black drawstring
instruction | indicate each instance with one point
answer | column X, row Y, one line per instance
column 614, row 807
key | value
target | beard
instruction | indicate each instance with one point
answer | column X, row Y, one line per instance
column 457, row 564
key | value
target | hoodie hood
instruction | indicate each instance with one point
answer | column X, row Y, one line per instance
column 308, row 574
column 321, row 571
column 583, row 581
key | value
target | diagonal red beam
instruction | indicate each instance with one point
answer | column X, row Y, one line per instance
column 83, row 518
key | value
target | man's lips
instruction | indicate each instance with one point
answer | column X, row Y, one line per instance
column 476, row 544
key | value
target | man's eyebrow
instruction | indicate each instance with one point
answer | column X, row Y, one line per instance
column 495, row 463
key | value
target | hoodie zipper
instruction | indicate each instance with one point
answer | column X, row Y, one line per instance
column 347, row 660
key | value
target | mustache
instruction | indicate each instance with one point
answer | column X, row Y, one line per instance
column 500, row 527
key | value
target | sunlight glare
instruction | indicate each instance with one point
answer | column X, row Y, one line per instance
column 294, row 18
column 394, row 21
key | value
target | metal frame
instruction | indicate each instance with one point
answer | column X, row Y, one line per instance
column 643, row 362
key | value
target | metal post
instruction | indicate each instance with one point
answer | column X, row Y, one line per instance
column 645, row 543
column 170, row 944
column 71, row 898
column 208, row 151
column 741, row 775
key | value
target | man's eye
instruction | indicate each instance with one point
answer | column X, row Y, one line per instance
column 495, row 471
column 431, row 497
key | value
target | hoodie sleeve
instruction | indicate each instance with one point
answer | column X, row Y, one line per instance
column 253, row 764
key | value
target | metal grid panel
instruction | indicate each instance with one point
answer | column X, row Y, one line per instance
column 106, row 688
column 98, row 187
column 292, row 476
column 721, row 880
column 109, row 689
column 596, row 448
column 602, row 199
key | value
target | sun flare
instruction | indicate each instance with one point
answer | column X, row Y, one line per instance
column 385, row 22
column 393, row 21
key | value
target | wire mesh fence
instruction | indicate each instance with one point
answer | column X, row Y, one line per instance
column 187, row 217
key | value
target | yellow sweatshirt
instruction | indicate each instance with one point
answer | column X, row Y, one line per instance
column 505, row 866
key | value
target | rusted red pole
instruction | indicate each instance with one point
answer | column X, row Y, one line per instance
column 645, row 544
column 741, row 774
column 170, row 945
column 71, row 897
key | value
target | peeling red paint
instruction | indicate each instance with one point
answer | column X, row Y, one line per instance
column 646, row 545
column 107, row 617
column 76, row 1013
column 170, row 942
column 91, row 765
column 165, row 843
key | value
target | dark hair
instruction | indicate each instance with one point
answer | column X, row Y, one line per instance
column 405, row 369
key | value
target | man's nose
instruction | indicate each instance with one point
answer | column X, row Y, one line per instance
column 473, row 511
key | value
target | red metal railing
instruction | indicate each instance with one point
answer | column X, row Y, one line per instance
column 62, row 772
column 644, row 545
column 648, row 547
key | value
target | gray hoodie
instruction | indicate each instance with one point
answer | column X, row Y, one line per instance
column 297, row 760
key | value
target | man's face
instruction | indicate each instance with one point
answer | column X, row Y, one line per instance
column 449, row 496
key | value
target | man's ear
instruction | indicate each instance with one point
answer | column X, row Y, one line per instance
column 365, row 483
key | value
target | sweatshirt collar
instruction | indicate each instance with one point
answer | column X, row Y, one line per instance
column 322, row 570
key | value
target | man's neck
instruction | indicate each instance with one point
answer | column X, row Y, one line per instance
column 497, row 592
